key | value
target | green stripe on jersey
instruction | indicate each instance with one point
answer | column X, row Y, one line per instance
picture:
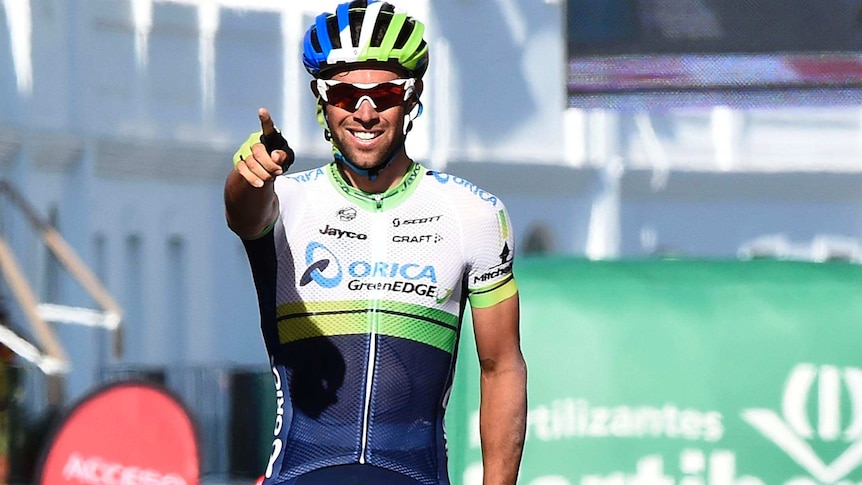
column 491, row 295
column 504, row 224
column 297, row 321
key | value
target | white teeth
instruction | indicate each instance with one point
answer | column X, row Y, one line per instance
column 362, row 135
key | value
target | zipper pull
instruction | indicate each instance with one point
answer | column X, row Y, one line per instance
column 379, row 199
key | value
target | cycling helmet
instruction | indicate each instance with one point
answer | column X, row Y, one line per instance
column 365, row 31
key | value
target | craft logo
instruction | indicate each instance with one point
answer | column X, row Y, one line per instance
column 422, row 238
column 793, row 432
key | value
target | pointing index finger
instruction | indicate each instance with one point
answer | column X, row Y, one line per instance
column 266, row 123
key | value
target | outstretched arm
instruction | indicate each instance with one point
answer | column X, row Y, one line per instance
column 503, row 410
column 249, row 197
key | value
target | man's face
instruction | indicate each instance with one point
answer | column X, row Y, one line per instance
column 367, row 135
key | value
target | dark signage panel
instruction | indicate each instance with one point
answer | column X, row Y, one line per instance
column 627, row 46
column 616, row 27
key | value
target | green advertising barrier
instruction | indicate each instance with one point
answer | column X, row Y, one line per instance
column 681, row 372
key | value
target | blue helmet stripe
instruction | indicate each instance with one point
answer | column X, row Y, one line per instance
column 343, row 16
column 323, row 37
column 309, row 57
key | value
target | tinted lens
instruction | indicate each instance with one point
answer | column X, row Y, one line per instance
column 346, row 96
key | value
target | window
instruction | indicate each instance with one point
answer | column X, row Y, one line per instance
column 176, row 298
column 134, row 328
column 539, row 240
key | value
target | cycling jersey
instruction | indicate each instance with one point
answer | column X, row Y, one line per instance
column 361, row 298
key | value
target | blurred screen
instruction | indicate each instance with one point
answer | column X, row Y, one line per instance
column 656, row 45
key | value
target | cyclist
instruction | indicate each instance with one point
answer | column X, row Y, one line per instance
column 363, row 268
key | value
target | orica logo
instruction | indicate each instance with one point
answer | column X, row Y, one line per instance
column 445, row 178
column 316, row 267
column 793, row 431
column 324, row 268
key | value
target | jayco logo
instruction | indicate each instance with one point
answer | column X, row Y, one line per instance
column 339, row 233
column 792, row 431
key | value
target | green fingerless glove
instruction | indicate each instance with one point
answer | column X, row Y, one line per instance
column 272, row 143
column 245, row 149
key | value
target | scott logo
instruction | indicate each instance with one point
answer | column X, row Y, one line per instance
column 397, row 222
column 792, row 432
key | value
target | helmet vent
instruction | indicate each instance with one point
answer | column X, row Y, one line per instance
column 404, row 35
column 332, row 32
column 383, row 22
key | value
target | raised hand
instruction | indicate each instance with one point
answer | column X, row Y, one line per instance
column 269, row 158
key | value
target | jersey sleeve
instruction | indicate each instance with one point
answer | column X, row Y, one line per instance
column 292, row 200
column 491, row 253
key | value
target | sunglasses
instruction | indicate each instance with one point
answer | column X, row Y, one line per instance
column 349, row 96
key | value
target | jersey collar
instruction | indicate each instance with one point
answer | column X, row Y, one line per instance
column 377, row 202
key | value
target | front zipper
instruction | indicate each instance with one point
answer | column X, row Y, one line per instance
column 378, row 253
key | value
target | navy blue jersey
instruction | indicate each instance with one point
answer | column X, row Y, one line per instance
column 361, row 298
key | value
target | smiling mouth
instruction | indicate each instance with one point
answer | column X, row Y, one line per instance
column 364, row 135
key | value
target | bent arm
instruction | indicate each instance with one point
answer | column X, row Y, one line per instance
column 249, row 195
column 503, row 408
column 249, row 210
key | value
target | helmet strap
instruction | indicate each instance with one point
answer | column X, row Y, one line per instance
column 409, row 117
column 374, row 171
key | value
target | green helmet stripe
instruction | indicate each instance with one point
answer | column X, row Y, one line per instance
column 392, row 33
column 409, row 55
column 385, row 51
column 415, row 39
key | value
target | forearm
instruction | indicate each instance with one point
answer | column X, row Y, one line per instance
column 249, row 209
column 502, row 422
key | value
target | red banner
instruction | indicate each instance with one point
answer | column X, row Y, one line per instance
column 124, row 434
